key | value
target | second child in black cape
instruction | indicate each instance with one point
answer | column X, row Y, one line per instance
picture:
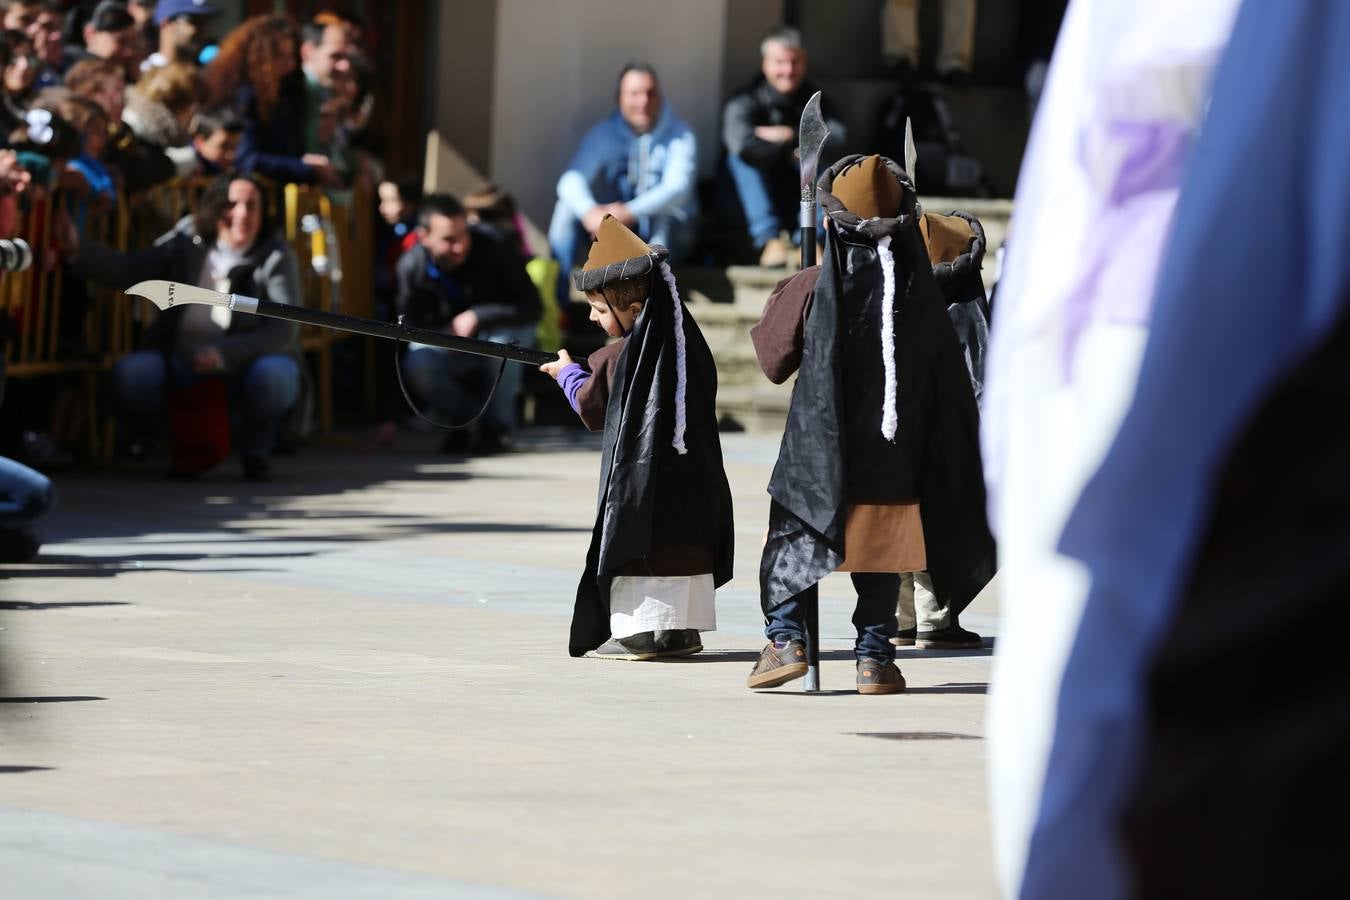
column 663, row 535
column 879, row 470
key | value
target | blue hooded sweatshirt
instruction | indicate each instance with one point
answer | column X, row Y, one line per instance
column 652, row 173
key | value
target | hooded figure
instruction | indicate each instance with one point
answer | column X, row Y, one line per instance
column 956, row 250
column 663, row 536
column 879, row 469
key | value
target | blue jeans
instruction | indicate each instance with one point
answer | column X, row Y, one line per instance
column 260, row 396
column 873, row 617
column 25, row 495
column 456, row 384
column 770, row 198
column 569, row 242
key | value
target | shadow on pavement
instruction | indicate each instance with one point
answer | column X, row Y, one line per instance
column 918, row 735
column 73, row 604
column 222, row 507
column 750, row 656
column 978, row 687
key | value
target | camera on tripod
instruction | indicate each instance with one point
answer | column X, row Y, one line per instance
column 15, row 255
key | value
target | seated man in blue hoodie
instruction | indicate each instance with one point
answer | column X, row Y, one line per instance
column 638, row 165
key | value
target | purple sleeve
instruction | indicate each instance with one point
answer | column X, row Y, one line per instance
column 570, row 379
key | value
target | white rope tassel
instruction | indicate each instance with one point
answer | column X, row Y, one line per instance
column 680, row 375
column 889, row 419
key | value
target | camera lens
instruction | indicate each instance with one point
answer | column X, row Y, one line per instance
column 15, row 255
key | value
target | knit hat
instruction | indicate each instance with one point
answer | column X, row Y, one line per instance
column 617, row 255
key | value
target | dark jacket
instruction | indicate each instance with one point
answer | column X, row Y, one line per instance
column 833, row 451
column 141, row 163
column 274, row 147
column 492, row 282
column 269, row 271
column 759, row 104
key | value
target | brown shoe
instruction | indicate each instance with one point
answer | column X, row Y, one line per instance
column 878, row 677
column 775, row 254
column 778, row 666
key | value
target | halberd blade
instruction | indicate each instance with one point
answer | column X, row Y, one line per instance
column 911, row 153
column 165, row 294
column 811, row 138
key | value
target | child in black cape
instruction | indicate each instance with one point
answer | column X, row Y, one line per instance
column 663, row 536
column 879, row 470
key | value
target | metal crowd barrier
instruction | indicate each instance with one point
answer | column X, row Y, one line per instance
column 336, row 257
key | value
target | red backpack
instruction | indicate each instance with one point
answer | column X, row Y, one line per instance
column 199, row 426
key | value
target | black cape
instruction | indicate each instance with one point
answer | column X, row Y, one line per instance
column 833, row 452
column 651, row 496
column 962, row 288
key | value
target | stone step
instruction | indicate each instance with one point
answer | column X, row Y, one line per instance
column 760, row 408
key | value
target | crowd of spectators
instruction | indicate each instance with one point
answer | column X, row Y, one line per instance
column 100, row 101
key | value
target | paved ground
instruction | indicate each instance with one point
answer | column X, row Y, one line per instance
column 353, row 682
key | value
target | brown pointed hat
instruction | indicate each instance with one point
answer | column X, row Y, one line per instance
column 868, row 189
column 616, row 254
column 869, row 195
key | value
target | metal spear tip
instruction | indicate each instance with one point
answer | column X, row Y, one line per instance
column 159, row 293
column 811, row 135
column 165, row 294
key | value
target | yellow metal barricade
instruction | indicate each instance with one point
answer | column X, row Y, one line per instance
column 42, row 343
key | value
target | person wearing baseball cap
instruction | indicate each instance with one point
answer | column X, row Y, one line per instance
column 182, row 31
column 110, row 34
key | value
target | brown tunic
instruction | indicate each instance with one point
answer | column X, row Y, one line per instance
column 593, row 396
column 878, row 537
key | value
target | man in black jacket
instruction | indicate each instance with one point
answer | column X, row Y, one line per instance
column 759, row 128
column 465, row 280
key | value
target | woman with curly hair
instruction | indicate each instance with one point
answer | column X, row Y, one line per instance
column 257, row 71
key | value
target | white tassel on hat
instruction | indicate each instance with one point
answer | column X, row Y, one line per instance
column 889, row 418
column 680, row 377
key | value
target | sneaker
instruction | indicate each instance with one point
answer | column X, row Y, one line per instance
column 491, row 442
column 775, row 254
column 18, row 545
column 953, row 637
column 956, row 77
column 683, row 642
column 904, row 637
column 877, row 676
column 779, row 663
column 457, row 442
column 38, row 450
column 256, row 468
column 637, row 647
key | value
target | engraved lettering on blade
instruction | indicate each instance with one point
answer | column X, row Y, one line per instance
column 171, row 287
